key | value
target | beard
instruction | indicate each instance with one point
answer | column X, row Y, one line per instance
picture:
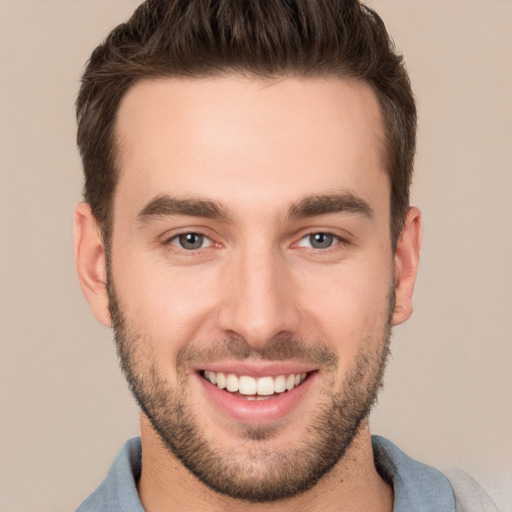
column 253, row 471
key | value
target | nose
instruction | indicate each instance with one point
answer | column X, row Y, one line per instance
column 258, row 298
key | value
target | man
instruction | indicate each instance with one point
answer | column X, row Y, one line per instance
column 247, row 233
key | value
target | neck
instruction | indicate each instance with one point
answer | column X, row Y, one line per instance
column 353, row 485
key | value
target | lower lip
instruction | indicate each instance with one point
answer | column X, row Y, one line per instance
column 256, row 412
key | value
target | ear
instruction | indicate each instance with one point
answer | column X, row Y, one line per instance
column 90, row 262
column 407, row 257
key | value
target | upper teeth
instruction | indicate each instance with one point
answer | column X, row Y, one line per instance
column 246, row 385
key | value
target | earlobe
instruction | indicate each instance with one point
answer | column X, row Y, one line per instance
column 90, row 262
column 407, row 257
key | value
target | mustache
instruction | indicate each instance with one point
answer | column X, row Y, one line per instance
column 279, row 348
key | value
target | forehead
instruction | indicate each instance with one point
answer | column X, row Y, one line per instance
column 237, row 139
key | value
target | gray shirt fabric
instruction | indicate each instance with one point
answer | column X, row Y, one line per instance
column 470, row 496
column 417, row 487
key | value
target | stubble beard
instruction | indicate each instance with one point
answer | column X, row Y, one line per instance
column 258, row 474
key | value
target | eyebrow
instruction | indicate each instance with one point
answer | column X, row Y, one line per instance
column 165, row 205
column 346, row 202
column 311, row 206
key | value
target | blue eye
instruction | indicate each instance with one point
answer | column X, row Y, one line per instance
column 319, row 240
column 191, row 241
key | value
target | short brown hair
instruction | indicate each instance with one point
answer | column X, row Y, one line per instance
column 268, row 38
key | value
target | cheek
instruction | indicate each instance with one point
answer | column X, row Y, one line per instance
column 342, row 305
column 167, row 306
column 348, row 305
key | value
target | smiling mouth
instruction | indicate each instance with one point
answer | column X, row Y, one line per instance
column 251, row 388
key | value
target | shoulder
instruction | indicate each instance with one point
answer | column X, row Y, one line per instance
column 118, row 491
column 417, row 486
column 97, row 501
column 470, row 496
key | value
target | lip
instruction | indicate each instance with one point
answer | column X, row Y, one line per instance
column 262, row 369
column 255, row 412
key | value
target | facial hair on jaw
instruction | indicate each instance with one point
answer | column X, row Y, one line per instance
column 258, row 474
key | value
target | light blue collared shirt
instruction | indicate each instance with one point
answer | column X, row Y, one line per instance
column 417, row 487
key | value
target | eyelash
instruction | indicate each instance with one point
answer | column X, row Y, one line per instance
column 171, row 246
column 335, row 240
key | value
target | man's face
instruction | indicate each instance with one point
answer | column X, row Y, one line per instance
column 251, row 250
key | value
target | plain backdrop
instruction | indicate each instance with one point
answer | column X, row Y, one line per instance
column 65, row 410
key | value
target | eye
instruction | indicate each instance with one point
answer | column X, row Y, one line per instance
column 319, row 240
column 191, row 241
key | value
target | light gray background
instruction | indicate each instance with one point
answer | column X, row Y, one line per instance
column 65, row 410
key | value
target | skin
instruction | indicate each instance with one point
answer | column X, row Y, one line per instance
column 256, row 148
